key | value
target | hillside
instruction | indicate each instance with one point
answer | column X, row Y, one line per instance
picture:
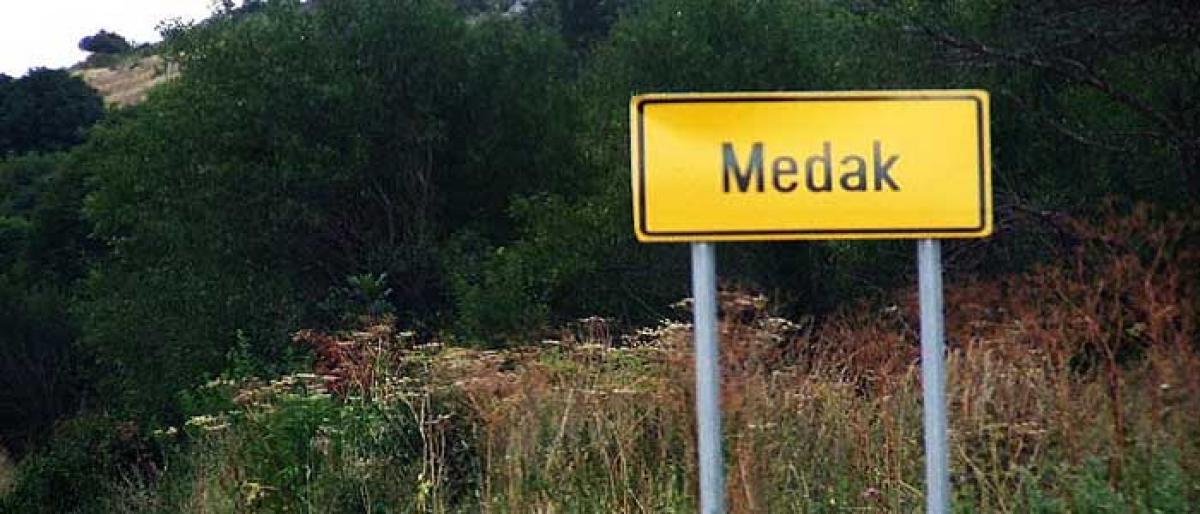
column 380, row 256
column 128, row 82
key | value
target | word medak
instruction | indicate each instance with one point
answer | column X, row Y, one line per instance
column 853, row 172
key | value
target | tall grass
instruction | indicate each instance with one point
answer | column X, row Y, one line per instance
column 1072, row 388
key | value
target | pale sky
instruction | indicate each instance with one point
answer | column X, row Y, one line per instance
column 46, row 33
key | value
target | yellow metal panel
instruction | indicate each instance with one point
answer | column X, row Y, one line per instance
column 781, row 166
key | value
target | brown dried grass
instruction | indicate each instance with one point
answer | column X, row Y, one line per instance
column 1091, row 357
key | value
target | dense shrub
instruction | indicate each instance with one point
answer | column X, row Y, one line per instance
column 39, row 382
column 575, row 254
column 1100, row 130
column 43, row 250
column 46, row 110
column 301, row 147
column 363, row 434
column 85, row 461
column 104, row 42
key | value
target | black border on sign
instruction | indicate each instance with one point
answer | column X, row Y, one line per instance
column 979, row 131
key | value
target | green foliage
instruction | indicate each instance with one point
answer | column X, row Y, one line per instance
column 1154, row 483
column 1104, row 146
column 38, row 368
column 59, row 249
column 512, row 131
column 1094, row 93
column 276, row 448
column 79, row 466
column 501, row 301
column 253, row 446
column 582, row 24
column 231, row 195
column 363, row 296
column 14, row 231
column 719, row 45
column 105, row 42
column 1091, row 491
column 43, row 251
column 234, row 196
column 45, row 110
column 1165, row 483
column 1033, row 499
column 482, row 166
column 573, row 258
column 574, row 254
column 99, row 60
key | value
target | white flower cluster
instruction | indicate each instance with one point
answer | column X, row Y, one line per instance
column 168, row 432
column 208, row 423
column 667, row 331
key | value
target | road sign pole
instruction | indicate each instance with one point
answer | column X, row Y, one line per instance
column 711, row 167
column 708, row 378
column 933, row 375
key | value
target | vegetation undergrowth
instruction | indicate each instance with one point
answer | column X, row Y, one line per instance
column 1072, row 388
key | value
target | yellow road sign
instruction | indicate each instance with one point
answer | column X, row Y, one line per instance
column 779, row 166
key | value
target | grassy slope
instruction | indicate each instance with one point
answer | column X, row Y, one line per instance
column 127, row 82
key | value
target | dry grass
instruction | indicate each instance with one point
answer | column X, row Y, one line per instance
column 128, row 83
column 1072, row 388
column 1091, row 359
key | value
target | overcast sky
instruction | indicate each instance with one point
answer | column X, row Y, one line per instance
column 46, row 33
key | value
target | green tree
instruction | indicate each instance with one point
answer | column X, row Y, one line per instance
column 105, row 42
column 298, row 148
column 44, row 250
column 1099, row 93
column 46, row 110
column 1088, row 102
column 575, row 254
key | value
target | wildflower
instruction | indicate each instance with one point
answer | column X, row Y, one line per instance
column 217, row 382
column 207, row 423
column 253, row 492
column 168, row 432
column 200, row 420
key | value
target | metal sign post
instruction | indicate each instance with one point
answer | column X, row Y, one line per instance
column 788, row 166
column 708, row 378
column 933, row 376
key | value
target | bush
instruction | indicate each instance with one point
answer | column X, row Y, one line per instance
column 364, row 434
column 105, row 42
column 316, row 197
column 573, row 253
column 82, row 463
column 44, row 249
column 39, row 381
column 300, row 147
column 46, row 110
